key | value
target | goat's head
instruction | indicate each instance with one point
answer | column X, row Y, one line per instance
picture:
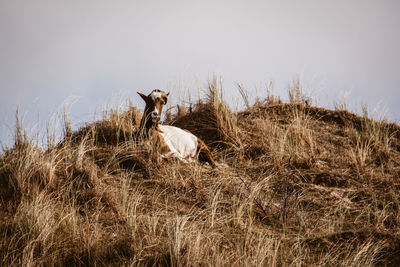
column 155, row 102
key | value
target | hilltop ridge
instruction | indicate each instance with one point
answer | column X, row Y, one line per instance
column 296, row 184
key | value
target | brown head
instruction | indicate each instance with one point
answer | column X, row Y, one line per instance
column 155, row 102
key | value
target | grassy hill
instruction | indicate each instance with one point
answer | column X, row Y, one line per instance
column 295, row 185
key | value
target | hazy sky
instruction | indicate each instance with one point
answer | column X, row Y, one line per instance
column 95, row 50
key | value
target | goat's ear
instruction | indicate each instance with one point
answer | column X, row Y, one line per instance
column 166, row 99
column 144, row 97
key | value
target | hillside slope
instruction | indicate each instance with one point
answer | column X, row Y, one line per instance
column 296, row 185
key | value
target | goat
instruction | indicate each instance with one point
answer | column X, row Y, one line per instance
column 170, row 140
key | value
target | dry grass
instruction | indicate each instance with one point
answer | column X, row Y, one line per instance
column 296, row 185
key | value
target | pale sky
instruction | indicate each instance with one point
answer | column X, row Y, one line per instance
column 94, row 53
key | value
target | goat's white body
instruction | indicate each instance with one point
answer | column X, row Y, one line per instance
column 182, row 144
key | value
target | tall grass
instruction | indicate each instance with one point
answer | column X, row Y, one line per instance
column 294, row 187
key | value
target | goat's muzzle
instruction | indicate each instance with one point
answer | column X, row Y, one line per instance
column 154, row 116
